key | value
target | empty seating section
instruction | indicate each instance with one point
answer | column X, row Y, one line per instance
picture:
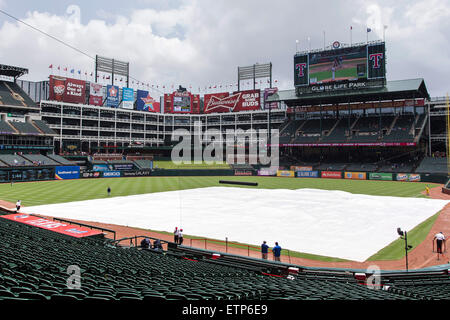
column 43, row 127
column 401, row 131
column 12, row 95
column 24, row 127
column 143, row 164
column 14, row 160
column 435, row 287
column 312, row 129
column 5, row 128
column 40, row 159
column 340, row 132
column 34, row 264
column 289, row 130
column 60, row 160
column 433, row 165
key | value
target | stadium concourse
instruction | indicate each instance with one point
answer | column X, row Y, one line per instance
column 422, row 256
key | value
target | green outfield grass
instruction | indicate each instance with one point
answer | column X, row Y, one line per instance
column 48, row 192
column 341, row 73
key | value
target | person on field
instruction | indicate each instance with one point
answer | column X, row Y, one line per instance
column 18, row 204
column 180, row 237
column 264, row 250
column 176, row 233
column 276, row 252
column 109, row 191
column 440, row 240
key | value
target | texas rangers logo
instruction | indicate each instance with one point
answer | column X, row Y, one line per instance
column 228, row 102
column 148, row 103
column 300, row 67
column 376, row 60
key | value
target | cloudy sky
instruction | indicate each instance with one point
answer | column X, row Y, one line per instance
column 200, row 43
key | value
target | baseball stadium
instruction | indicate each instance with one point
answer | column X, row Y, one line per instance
column 354, row 193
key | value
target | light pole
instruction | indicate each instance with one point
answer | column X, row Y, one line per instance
column 296, row 46
column 404, row 235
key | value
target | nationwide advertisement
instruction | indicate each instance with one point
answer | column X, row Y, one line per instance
column 307, row 174
column 238, row 101
column 67, row 172
column 380, row 176
column 144, row 102
column 411, row 177
column 331, row 174
column 67, row 90
column 127, row 98
column 112, row 96
column 285, row 173
column 355, row 175
column 55, row 226
column 95, row 94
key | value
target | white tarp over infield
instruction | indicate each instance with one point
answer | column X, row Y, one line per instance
column 329, row 223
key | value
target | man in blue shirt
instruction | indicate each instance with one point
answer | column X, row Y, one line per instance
column 276, row 252
column 264, row 250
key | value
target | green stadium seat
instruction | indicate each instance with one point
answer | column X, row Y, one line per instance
column 33, row 296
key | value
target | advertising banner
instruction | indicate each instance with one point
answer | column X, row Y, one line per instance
column 331, row 174
column 140, row 173
column 301, row 168
column 127, row 98
column 285, row 173
column 267, row 93
column 307, row 174
column 380, row 176
column 249, row 100
column 67, row 89
column 100, row 167
column 67, row 172
column 122, row 166
column 411, row 177
column 355, row 175
column 111, row 174
column 414, row 177
column 243, row 172
column 91, row 174
column 267, row 172
column 238, row 101
column 144, row 102
column 112, row 96
column 55, row 226
column 95, row 94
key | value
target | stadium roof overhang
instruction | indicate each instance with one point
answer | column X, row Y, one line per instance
column 394, row 90
column 11, row 71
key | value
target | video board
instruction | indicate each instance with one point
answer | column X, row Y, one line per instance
column 339, row 68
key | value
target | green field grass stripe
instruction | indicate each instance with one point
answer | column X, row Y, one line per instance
column 396, row 250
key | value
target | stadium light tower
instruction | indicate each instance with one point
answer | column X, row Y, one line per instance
column 404, row 235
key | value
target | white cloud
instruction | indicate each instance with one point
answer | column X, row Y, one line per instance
column 201, row 43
